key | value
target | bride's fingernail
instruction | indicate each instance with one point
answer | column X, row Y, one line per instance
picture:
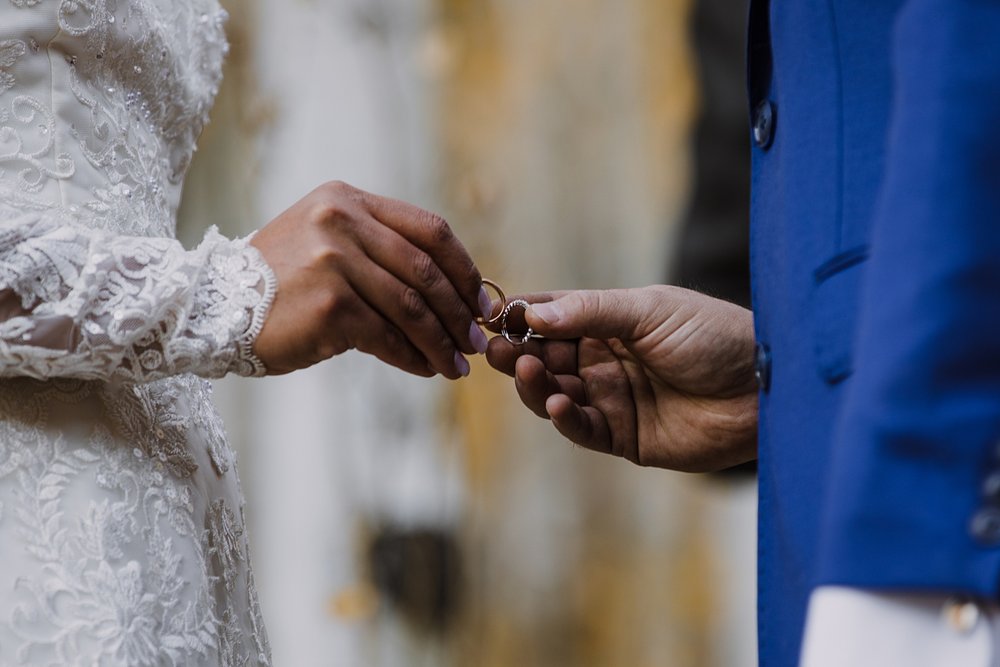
column 462, row 365
column 478, row 338
column 550, row 313
column 485, row 303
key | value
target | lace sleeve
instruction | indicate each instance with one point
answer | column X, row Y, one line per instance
column 84, row 303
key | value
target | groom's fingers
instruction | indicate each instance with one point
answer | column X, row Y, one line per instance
column 586, row 426
column 559, row 357
column 503, row 356
column 534, row 384
column 611, row 383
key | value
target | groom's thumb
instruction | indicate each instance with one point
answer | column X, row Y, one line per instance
column 623, row 314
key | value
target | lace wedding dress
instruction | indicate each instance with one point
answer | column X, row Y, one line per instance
column 122, row 537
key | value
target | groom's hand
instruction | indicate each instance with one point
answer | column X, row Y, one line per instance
column 356, row 270
column 661, row 376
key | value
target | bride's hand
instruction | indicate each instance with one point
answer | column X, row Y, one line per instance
column 356, row 270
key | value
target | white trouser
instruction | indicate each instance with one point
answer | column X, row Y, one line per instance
column 853, row 628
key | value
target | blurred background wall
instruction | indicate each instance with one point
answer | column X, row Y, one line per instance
column 399, row 521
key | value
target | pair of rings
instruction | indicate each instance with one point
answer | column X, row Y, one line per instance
column 503, row 317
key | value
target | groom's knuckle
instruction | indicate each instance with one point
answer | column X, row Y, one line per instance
column 591, row 304
column 656, row 292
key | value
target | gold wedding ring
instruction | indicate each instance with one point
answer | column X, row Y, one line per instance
column 483, row 321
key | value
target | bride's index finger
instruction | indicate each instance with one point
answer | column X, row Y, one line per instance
column 415, row 268
column 432, row 234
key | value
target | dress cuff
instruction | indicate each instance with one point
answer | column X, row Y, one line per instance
column 233, row 302
column 246, row 362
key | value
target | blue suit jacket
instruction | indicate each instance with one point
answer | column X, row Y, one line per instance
column 876, row 278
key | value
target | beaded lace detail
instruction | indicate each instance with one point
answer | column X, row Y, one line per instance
column 122, row 535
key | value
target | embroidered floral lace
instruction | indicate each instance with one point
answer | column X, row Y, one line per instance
column 122, row 538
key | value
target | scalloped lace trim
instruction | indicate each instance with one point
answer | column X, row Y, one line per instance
column 247, row 363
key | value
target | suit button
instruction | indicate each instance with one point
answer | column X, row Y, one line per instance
column 985, row 526
column 762, row 367
column 991, row 488
column 763, row 124
column 962, row 616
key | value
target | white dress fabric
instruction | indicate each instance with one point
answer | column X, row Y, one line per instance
column 122, row 538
